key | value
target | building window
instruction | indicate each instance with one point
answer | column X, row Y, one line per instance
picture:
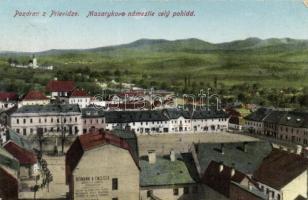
column 175, row 191
column 75, row 119
column 149, row 193
column 24, row 121
column 114, row 184
column 39, row 120
column 17, row 121
column 186, row 190
column 31, row 121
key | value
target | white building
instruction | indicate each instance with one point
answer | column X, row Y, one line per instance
column 59, row 89
column 34, row 98
column 283, row 175
column 167, row 121
column 31, row 64
column 49, row 119
column 254, row 121
column 8, row 100
column 79, row 97
column 102, row 166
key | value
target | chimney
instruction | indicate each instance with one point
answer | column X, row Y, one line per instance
column 172, row 155
column 270, row 197
column 232, row 172
column 299, row 149
column 152, row 156
column 221, row 167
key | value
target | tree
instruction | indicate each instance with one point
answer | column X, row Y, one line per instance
column 117, row 73
column 9, row 60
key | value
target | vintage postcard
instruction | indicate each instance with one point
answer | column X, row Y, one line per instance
column 154, row 100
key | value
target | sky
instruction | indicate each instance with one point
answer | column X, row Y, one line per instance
column 214, row 21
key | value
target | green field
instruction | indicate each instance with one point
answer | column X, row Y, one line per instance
column 271, row 64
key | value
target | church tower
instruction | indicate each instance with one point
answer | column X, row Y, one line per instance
column 34, row 62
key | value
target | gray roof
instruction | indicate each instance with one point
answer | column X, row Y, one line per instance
column 7, row 160
column 195, row 114
column 234, row 155
column 287, row 118
column 160, row 115
column 295, row 119
column 164, row 172
column 130, row 137
column 18, row 139
column 50, row 108
column 133, row 116
column 274, row 117
column 92, row 112
column 259, row 114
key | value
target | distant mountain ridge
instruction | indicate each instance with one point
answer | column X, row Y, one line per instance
column 191, row 44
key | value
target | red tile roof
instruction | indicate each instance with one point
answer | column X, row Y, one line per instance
column 25, row 157
column 220, row 181
column 91, row 141
column 8, row 185
column 60, row 86
column 35, row 95
column 79, row 93
column 279, row 168
column 233, row 112
column 11, row 96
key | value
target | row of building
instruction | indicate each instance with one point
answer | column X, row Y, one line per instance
column 251, row 170
column 290, row 126
column 67, row 92
column 69, row 118
column 17, row 162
